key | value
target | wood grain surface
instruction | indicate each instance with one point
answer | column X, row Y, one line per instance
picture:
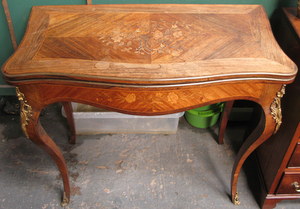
column 145, row 44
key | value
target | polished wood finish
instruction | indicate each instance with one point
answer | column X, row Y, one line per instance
column 288, row 183
column 149, row 60
column 279, row 156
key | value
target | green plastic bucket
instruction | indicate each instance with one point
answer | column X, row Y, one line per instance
column 204, row 117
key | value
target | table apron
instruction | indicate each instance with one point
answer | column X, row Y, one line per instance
column 147, row 101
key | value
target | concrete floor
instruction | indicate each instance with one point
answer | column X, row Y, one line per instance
column 188, row 170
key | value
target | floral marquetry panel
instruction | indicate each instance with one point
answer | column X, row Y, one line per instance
column 150, row 101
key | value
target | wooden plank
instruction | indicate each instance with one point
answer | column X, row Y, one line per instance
column 10, row 24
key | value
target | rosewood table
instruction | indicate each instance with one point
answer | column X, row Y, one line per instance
column 148, row 60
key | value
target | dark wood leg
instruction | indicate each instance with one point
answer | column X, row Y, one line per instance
column 224, row 120
column 69, row 113
column 263, row 131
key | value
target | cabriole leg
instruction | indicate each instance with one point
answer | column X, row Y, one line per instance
column 30, row 112
column 268, row 125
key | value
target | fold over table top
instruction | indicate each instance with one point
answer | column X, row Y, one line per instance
column 148, row 44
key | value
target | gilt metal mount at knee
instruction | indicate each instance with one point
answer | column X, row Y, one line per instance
column 25, row 111
column 276, row 108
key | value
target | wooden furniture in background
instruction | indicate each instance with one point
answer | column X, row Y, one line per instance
column 279, row 157
column 148, row 60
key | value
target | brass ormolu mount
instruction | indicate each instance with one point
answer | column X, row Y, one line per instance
column 276, row 108
column 25, row 111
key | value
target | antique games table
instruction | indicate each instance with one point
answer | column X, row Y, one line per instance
column 148, row 60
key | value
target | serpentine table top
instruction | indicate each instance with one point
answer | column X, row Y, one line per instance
column 148, row 60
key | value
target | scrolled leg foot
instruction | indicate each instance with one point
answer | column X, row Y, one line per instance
column 65, row 200
column 236, row 199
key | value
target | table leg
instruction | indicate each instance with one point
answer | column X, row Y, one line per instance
column 69, row 113
column 269, row 124
column 261, row 133
column 29, row 113
column 224, row 121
